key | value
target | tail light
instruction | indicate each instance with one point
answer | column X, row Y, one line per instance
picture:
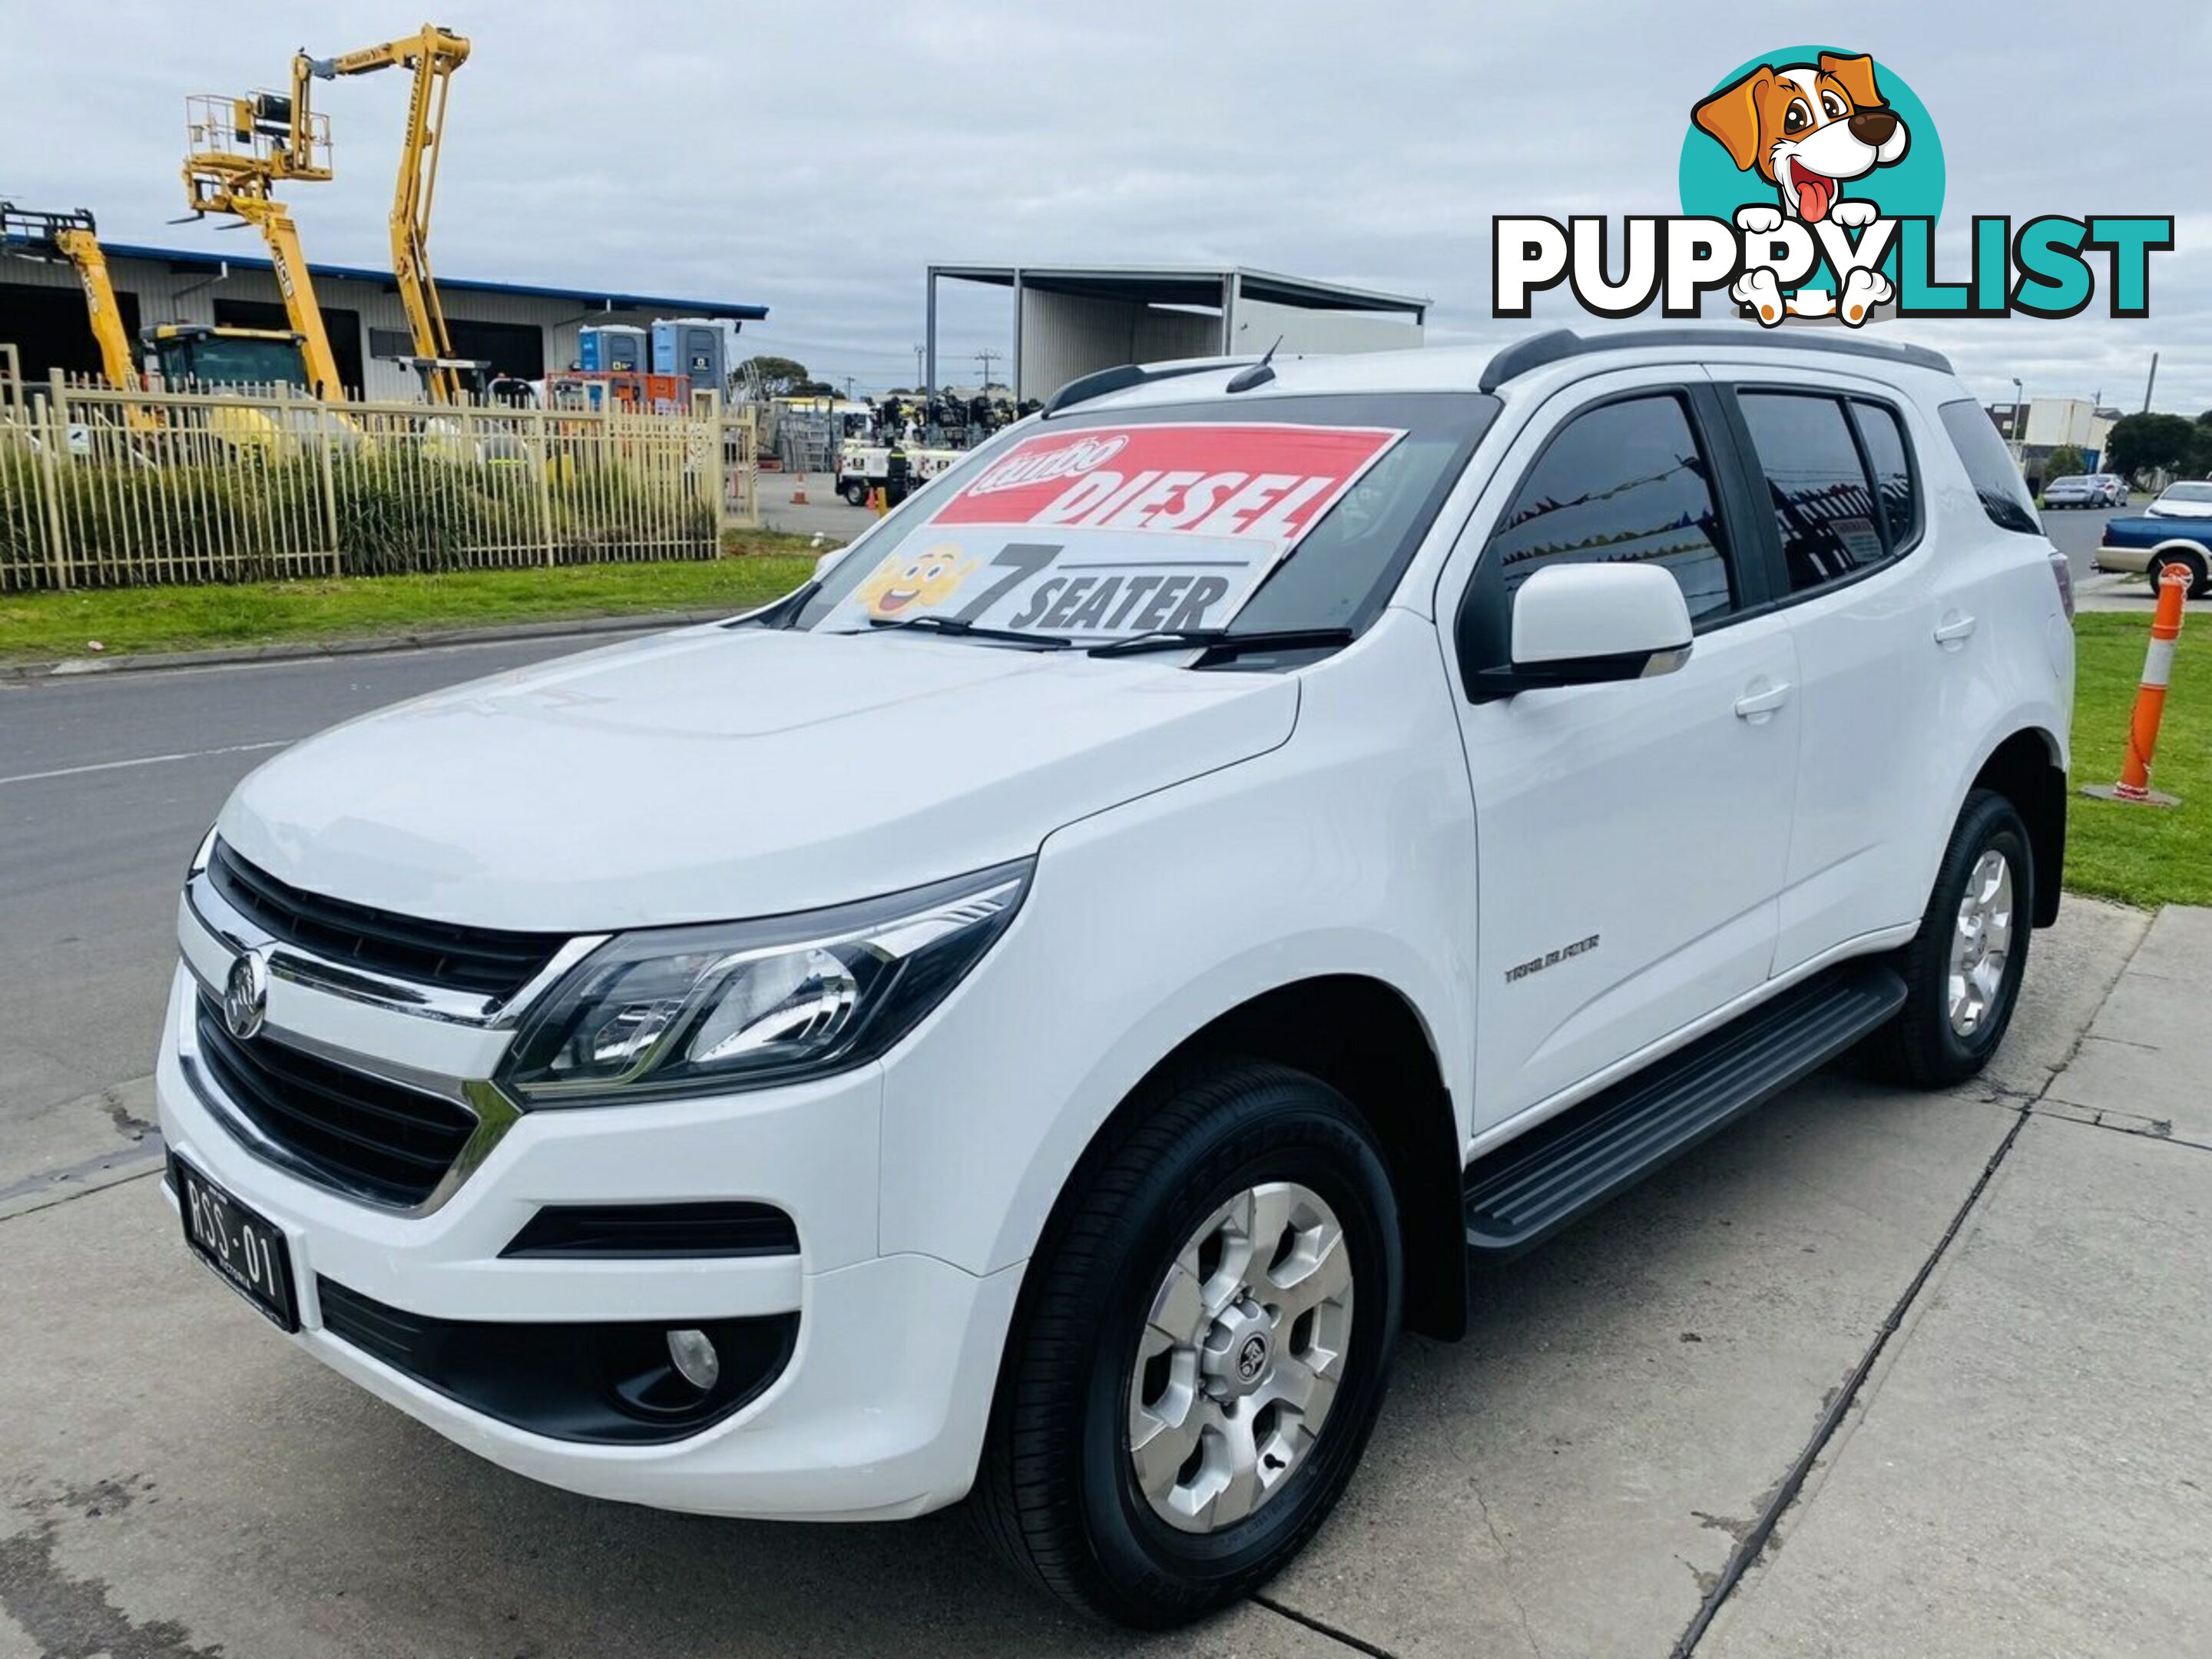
column 2065, row 577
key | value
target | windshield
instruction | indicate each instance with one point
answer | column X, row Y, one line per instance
column 218, row 361
column 2188, row 492
column 1256, row 515
column 2070, row 479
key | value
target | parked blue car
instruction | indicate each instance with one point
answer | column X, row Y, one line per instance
column 2175, row 533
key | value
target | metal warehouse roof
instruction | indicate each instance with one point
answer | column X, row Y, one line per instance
column 1187, row 285
column 594, row 298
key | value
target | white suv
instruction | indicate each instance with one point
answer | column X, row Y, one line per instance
column 1035, row 1012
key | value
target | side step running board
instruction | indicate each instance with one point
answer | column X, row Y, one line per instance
column 1528, row 1189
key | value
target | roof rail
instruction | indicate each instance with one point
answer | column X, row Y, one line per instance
column 1558, row 343
column 1085, row 387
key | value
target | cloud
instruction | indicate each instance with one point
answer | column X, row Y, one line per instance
column 816, row 160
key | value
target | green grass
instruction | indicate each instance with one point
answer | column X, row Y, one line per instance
column 2140, row 855
column 42, row 627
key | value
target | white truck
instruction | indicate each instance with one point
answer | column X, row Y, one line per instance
column 1032, row 1016
column 862, row 467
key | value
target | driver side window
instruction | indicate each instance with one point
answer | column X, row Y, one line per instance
column 1625, row 481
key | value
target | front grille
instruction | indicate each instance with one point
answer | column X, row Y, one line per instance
column 363, row 1134
column 480, row 960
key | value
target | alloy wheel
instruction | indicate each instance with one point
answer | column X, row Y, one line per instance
column 1241, row 1357
column 1981, row 943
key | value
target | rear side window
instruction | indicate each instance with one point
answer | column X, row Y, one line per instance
column 1624, row 481
column 1990, row 466
column 1823, row 500
column 1892, row 461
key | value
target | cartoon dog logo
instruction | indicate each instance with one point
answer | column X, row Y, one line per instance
column 905, row 582
column 1808, row 129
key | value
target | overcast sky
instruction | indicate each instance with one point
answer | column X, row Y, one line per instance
column 816, row 158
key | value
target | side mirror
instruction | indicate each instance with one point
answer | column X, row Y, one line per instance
column 1584, row 624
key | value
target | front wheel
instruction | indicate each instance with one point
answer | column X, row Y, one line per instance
column 1201, row 1350
column 1962, row 969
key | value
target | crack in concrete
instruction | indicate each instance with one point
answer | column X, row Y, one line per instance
column 1520, row 1608
column 60, row 1186
column 2097, row 1117
column 1320, row 1627
column 1754, row 1542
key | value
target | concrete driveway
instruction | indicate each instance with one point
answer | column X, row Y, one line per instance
column 1874, row 1373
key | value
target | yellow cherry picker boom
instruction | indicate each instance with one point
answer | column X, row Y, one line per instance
column 240, row 149
column 432, row 55
column 74, row 238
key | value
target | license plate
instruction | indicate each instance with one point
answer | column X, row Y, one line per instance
column 246, row 1252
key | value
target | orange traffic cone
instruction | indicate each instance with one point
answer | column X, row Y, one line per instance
column 798, row 491
column 2134, row 786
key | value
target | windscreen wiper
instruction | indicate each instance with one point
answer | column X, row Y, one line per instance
column 970, row 630
column 1220, row 638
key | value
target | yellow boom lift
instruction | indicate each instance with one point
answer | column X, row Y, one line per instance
column 240, row 148
column 72, row 236
column 432, row 54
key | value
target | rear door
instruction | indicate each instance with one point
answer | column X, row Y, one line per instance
column 1886, row 650
column 1632, row 836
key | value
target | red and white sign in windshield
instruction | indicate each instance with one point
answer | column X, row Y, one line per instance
column 1271, row 483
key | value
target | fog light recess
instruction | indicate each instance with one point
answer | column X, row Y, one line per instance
column 692, row 1353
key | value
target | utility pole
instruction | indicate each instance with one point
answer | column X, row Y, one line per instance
column 918, row 352
column 2151, row 382
column 987, row 358
column 849, row 388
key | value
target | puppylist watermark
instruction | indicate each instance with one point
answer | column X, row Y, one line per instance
column 1811, row 181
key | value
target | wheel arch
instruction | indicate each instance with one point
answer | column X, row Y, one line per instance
column 2028, row 768
column 1367, row 1040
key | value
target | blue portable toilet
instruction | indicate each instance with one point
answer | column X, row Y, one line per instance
column 694, row 346
column 611, row 349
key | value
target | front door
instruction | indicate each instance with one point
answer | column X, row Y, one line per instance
column 1634, row 836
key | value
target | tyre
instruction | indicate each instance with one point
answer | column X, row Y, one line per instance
column 1962, row 969
column 1201, row 1349
column 2191, row 565
column 855, row 492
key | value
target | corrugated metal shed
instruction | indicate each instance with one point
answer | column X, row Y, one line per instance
column 1071, row 321
column 184, row 285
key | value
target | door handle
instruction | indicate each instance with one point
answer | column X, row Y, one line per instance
column 1954, row 628
column 1756, row 705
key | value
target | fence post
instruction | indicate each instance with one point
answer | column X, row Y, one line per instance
column 544, row 451
column 55, row 440
column 325, row 424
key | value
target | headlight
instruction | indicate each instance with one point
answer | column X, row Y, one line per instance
column 686, row 1010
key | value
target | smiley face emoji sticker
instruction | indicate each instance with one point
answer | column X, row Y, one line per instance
column 905, row 582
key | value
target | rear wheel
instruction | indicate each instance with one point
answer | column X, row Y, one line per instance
column 855, row 492
column 1962, row 969
column 1201, row 1352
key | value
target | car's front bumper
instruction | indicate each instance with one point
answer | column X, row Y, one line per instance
column 879, row 1410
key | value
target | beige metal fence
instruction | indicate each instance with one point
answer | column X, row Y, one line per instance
column 101, row 487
